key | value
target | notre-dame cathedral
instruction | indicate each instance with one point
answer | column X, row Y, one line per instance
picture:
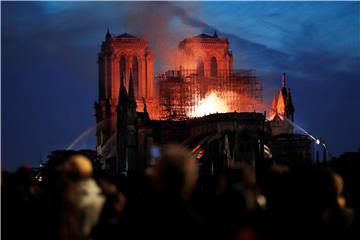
column 203, row 103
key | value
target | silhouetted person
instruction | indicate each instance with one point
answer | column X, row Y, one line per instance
column 308, row 206
column 20, row 193
column 165, row 212
column 298, row 203
column 73, row 201
column 238, row 202
column 111, row 223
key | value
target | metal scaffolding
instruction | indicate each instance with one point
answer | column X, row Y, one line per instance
column 181, row 91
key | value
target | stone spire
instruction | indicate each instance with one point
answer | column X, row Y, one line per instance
column 131, row 107
column 281, row 104
column 122, row 112
column 289, row 106
column 132, row 99
column 122, row 95
column 108, row 35
column 147, row 116
column 284, row 109
column 215, row 34
column 145, row 109
column 131, row 132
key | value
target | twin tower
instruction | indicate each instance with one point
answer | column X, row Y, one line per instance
column 120, row 57
column 124, row 55
column 130, row 102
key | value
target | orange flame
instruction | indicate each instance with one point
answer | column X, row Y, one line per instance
column 210, row 104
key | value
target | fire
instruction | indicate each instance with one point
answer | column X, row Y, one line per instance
column 210, row 104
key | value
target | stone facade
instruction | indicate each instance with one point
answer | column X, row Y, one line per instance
column 128, row 108
column 205, row 53
column 119, row 56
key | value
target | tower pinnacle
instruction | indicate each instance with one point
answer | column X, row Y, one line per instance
column 215, row 34
column 131, row 92
column 289, row 106
column 145, row 109
column 108, row 35
column 122, row 93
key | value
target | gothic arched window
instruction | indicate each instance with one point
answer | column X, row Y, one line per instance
column 135, row 72
column 122, row 68
column 213, row 67
column 200, row 67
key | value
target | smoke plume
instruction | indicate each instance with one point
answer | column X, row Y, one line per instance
column 165, row 24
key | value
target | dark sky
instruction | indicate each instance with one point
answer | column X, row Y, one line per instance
column 49, row 70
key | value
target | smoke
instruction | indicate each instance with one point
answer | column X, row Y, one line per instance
column 165, row 24
column 189, row 20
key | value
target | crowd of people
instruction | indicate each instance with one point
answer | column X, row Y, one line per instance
column 166, row 201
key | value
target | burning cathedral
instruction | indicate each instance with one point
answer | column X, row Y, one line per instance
column 203, row 103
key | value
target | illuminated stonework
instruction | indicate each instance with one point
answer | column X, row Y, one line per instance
column 121, row 55
column 202, row 83
column 205, row 82
column 203, row 103
column 207, row 54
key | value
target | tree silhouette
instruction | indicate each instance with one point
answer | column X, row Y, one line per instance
column 58, row 157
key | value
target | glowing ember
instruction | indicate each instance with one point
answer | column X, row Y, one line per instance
column 210, row 104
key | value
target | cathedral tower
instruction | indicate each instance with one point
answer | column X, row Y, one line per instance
column 208, row 55
column 282, row 110
column 285, row 106
column 119, row 56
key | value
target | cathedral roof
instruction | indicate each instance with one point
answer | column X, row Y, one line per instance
column 124, row 38
column 204, row 38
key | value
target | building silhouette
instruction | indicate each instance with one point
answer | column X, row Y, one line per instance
column 135, row 115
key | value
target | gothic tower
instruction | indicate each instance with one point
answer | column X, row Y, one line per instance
column 282, row 110
column 119, row 56
column 208, row 55
column 285, row 106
